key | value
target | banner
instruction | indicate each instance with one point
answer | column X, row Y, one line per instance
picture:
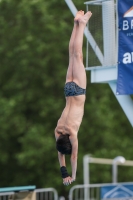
column 125, row 47
column 118, row 192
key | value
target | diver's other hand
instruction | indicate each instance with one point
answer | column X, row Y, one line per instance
column 67, row 181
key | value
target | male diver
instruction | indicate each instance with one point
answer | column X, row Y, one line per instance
column 75, row 89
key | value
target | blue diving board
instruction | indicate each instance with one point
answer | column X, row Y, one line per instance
column 15, row 189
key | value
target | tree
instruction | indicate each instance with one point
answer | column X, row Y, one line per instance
column 34, row 38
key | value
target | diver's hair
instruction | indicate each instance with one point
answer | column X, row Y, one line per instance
column 63, row 144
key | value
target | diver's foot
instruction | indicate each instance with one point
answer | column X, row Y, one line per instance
column 84, row 19
column 78, row 15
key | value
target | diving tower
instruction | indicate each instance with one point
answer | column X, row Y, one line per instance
column 106, row 71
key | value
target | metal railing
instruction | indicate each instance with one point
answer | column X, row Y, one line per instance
column 94, row 191
column 5, row 195
column 46, row 194
column 40, row 194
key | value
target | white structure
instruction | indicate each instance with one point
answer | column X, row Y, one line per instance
column 119, row 160
column 107, row 71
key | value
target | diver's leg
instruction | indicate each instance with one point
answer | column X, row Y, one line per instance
column 69, row 76
column 79, row 74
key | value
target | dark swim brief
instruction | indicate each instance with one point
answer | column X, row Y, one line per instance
column 72, row 89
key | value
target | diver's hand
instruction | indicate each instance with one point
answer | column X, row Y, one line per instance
column 67, row 181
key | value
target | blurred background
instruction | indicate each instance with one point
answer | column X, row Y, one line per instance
column 34, row 37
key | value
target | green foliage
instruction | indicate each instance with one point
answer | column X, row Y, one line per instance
column 34, row 38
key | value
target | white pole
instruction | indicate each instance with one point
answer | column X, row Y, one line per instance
column 116, row 160
column 108, row 16
column 86, row 176
column 114, row 172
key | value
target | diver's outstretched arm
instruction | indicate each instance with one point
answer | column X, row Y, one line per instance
column 74, row 155
column 66, row 179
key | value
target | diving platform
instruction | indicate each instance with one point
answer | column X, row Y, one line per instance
column 17, row 189
column 102, row 74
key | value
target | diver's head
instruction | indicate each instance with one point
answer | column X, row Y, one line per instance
column 63, row 144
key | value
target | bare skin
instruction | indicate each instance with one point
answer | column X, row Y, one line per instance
column 72, row 114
